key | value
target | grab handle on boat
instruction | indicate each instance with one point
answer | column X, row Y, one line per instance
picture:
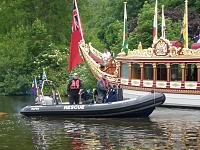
column 59, row 96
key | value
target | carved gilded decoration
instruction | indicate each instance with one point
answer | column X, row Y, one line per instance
column 94, row 66
column 183, row 65
column 168, row 65
column 116, row 72
column 198, row 65
column 154, row 65
column 141, row 65
column 162, row 48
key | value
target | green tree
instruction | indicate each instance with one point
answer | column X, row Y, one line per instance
column 36, row 34
column 114, row 36
column 143, row 31
column 13, row 51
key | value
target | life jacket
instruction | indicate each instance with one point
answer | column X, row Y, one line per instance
column 105, row 83
column 75, row 84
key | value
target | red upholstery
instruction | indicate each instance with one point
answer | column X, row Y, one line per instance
column 176, row 43
column 195, row 46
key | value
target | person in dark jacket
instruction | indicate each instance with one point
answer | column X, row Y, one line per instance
column 102, row 89
column 73, row 89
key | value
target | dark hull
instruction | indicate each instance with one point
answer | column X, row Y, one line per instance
column 140, row 107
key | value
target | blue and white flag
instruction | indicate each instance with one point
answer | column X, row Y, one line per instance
column 44, row 77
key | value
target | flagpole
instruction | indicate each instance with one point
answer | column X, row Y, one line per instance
column 79, row 20
column 155, row 23
column 125, row 17
column 36, row 85
column 125, row 34
column 76, row 36
column 163, row 23
column 156, row 19
column 186, row 13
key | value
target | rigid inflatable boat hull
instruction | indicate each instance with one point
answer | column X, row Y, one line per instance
column 140, row 107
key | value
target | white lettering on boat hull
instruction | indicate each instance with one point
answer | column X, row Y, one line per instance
column 74, row 107
column 36, row 108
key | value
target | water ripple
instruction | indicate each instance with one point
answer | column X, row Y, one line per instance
column 165, row 129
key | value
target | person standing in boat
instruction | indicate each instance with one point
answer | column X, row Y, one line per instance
column 102, row 89
column 106, row 56
column 73, row 89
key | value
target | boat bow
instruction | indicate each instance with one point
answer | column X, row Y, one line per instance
column 94, row 59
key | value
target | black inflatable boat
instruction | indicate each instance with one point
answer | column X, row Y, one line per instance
column 140, row 107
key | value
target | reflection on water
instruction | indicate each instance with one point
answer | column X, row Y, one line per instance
column 114, row 133
column 164, row 129
column 94, row 133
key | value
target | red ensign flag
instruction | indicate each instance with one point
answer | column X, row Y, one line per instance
column 76, row 37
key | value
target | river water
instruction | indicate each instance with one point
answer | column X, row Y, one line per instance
column 164, row 129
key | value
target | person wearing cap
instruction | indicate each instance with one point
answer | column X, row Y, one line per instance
column 73, row 89
column 102, row 89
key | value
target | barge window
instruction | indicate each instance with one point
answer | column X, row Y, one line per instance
column 176, row 72
column 135, row 71
column 161, row 72
column 191, row 72
column 124, row 71
column 148, row 72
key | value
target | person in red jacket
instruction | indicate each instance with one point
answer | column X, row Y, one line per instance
column 73, row 89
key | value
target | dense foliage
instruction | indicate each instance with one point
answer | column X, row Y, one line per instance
column 35, row 34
